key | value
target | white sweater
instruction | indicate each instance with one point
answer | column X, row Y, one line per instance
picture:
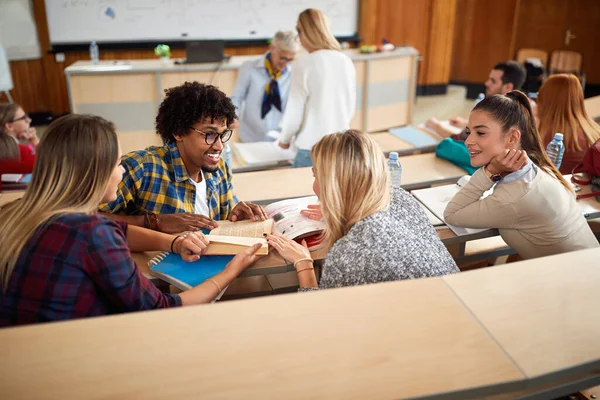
column 537, row 218
column 322, row 98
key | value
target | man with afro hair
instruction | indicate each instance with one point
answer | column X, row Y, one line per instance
column 184, row 184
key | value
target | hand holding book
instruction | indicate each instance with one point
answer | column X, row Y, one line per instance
column 291, row 251
column 190, row 246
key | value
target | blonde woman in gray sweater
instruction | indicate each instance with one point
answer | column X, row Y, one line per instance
column 532, row 205
column 376, row 234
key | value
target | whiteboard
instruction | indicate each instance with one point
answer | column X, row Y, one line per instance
column 82, row 21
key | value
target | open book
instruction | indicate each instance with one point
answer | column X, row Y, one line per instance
column 284, row 219
column 234, row 237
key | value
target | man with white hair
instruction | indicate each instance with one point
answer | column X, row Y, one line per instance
column 262, row 88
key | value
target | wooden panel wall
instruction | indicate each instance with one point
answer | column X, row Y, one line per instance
column 482, row 38
column 439, row 50
column 552, row 19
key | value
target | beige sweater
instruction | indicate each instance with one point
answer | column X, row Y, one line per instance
column 536, row 219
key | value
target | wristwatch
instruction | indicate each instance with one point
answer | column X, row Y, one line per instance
column 493, row 177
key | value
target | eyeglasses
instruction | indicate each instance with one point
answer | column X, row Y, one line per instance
column 286, row 59
column 24, row 117
column 211, row 137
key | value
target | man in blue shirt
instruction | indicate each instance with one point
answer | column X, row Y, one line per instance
column 262, row 88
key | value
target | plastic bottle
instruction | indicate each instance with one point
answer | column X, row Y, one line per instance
column 556, row 149
column 395, row 169
column 480, row 97
column 227, row 156
column 94, row 53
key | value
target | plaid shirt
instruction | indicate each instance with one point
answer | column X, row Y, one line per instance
column 157, row 181
column 77, row 265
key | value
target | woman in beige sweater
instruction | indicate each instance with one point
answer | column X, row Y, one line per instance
column 532, row 205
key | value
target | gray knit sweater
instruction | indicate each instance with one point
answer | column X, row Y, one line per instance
column 394, row 244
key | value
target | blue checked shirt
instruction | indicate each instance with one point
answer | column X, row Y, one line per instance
column 156, row 181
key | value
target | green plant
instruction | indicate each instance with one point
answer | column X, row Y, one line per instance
column 162, row 50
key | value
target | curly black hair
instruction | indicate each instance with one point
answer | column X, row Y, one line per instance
column 185, row 105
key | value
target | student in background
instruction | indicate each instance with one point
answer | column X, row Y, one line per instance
column 262, row 88
column 532, row 205
column 561, row 109
column 504, row 77
column 185, row 184
column 16, row 122
column 376, row 234
column 16, row 157
column 61, row 260
column 323, row 93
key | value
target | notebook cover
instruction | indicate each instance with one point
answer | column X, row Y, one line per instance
column 184, row 275
column 414, row 136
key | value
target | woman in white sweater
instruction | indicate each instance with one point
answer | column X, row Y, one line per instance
column 532, row 205
column 322, row 96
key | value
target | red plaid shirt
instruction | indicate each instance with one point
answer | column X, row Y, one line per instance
column 77, row 266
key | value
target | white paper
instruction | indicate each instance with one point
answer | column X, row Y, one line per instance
column 262, row 152
column 11, row 178
column 437, row 198
column 288, row 220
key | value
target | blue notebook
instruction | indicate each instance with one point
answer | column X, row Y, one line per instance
column 414, row 136
column 184, row 275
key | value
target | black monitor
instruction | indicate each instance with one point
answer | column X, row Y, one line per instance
column 204, row 51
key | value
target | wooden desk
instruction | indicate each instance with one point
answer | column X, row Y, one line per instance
column 386, row 140
column 542, row 312
column 332, row 344
column 128, row 94
column 264, row 187
column 489, row 332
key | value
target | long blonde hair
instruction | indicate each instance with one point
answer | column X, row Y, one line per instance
column 561, row 109
column 75, row 160
column 314, row 28
column 8, row 146
column 352, row 175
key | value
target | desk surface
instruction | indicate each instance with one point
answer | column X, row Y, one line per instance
column 288, row 347
column 386, row 140
column 543, row 313
column 420, row 170
column 475, row 333
column 142, row 66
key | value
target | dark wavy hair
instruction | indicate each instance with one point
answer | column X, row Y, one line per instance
column 185, row 105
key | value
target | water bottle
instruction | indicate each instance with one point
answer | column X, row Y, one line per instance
column 228, row 156
column 94, row 53
column 556, row 149
column 395, row 169
column 480, row 97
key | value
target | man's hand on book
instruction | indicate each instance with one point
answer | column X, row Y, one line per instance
column 181, row 222
column 243, row 260
column 190, row 246
column 288, row 249
column 313, row 211
column 247, row 210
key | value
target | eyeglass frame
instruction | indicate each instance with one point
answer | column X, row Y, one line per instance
column 218, row 135
column 23, row 118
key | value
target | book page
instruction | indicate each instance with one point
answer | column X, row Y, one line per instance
column 288, row 220
column 244, row 228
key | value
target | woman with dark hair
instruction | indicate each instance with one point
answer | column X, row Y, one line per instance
column 532, row 205
column 18, row 141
